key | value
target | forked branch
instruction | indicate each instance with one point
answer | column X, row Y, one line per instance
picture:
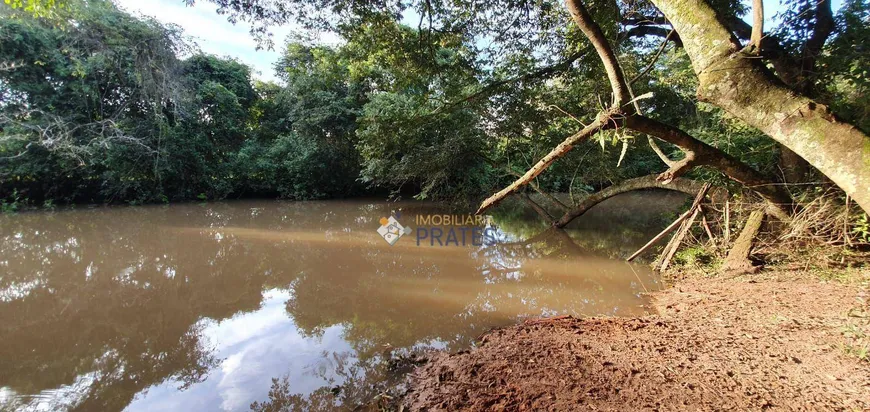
column 606, row 119
column 699, row 153
column 621, row 113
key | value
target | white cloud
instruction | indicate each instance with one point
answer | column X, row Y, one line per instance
column 212, row 32
column 253, row 347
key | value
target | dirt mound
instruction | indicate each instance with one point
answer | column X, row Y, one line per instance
column 717, row 344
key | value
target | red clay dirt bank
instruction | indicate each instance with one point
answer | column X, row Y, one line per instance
column 716, row 344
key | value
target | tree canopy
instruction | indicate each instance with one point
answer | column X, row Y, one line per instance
column 507, row 35
column 435, row 99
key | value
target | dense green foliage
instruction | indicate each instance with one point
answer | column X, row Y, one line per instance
column 103, row 110
column 100, row 106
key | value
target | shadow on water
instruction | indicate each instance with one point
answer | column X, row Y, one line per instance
column 200, row 306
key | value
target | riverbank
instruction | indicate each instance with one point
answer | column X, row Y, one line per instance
column 781, row 339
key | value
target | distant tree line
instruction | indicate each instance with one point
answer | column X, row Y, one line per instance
column 106, row 107
column 100, row 106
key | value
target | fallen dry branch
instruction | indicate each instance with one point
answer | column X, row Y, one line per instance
column 695, row 204
column 672, row 246
column 707, row 226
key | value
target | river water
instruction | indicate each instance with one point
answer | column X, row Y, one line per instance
column 211, row 306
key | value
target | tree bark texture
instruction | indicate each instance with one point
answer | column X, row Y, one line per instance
column 743, row 87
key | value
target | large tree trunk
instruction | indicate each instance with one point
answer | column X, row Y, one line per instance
column 622, row 113
column 743, row 87
column 793, row 167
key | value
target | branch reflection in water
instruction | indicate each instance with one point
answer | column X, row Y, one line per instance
column 202, row 305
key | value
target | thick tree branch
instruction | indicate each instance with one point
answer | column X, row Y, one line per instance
column 747, row 90
column 791, row 69
column 822, row 30
column 689, row 187
column 679, row 168
column 785, row 65
column 699, row 153
column 593, row 32
column 757, row 26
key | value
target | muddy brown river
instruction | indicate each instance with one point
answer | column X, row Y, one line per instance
column 217, row 306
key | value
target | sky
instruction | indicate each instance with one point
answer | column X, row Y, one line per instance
column 215, row 35
column 212, row 32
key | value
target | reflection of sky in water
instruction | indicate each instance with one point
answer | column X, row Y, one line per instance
column 127, row 305
column 254, row 347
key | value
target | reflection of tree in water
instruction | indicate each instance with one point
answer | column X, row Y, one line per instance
column 614, row 228
column 112, row 301
column 351, row 382
column 283, row 398
column 108, row 303
column 390, row 300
